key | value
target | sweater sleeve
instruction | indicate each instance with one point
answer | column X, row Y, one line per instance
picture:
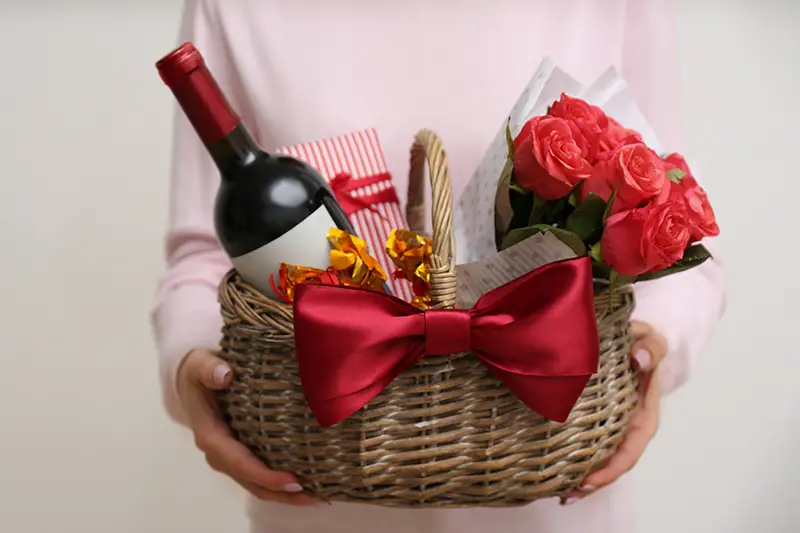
column 683, row 307
column 185, row 314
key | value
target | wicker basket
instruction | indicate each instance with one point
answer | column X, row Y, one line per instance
column 445, row 433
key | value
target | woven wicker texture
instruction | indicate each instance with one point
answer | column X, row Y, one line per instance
column 445, row 433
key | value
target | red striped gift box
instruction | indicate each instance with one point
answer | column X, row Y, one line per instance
column 358, row 157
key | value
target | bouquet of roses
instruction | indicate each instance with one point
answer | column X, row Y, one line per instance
column 599, row 188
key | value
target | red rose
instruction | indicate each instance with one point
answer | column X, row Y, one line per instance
column 702, row 219
column 676, row 161
column 637, row 173
column 646, row 239
column 611, row 139
column 590, row 119
column 548, row 158
column 600, row 182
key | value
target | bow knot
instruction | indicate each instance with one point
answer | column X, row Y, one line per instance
column 537, row 334
column 365, row 193
column 446, row 331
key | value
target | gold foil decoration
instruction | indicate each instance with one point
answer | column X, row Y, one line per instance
column 350, row 256
column 411, row 253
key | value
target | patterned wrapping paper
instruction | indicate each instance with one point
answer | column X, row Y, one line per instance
column 360, row 156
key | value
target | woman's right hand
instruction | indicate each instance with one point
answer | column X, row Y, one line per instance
column 199, row 376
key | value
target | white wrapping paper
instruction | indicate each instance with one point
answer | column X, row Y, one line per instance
column 474, row 211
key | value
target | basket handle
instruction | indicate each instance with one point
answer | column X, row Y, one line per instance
column 428, row 146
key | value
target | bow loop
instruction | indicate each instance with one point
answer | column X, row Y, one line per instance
column 537, row 334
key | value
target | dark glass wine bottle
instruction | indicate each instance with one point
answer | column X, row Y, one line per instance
column 269, row 209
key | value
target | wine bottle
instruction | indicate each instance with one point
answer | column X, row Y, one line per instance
column 269, row 209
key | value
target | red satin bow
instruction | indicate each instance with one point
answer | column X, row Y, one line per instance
column 537, row 334
column 344, row 186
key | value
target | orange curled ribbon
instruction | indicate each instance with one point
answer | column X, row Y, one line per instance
column 292, row 275
column 351, row 265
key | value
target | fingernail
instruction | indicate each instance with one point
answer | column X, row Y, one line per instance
column 570, row 501
column 587, row 488
column 292, row 487
column 322, row 504
column 221, row 374
column 643, row 359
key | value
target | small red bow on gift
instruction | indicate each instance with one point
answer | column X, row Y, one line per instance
column 345, row 187
column 537, row 334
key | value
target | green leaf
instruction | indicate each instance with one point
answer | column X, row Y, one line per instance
column 675, row 175
column 600, row 270
column 694, row 256
column 517, row 188
column 609, row 205
column 596, row 252
column 587, row 219
column 538, row 211
column 509, row 139
column 567, row 237
column 615, row 281
column 570, row 239
column 625, row 280
column 521, row 204
column 575, row 193
column 555, row 212
column 518, row 235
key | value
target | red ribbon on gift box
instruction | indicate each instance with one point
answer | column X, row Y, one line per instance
column 538, row 334
column 345, row 188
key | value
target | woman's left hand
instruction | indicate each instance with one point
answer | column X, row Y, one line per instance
column 648, row 349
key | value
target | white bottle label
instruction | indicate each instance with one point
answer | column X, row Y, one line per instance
column 304, row 245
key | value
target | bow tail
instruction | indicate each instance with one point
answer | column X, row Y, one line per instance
column 331, row 411
column 551, row 397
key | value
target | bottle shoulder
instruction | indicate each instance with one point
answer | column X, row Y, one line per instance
column 260, row 200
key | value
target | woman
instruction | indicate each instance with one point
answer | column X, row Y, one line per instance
column 302, row 70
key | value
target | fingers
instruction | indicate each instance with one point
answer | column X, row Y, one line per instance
column 227, row 455
column 643, row 427
column 641, row 431
column 282, row 497
column 206, row 372
column 205, row 368
column 620, row 463
column 629, row 453
column 640, row 329
column 649, row 347
column 649, row 351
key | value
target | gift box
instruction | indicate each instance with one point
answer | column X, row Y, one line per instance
column 355, row 167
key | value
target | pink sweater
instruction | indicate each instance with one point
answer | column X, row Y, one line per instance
column 302, row 70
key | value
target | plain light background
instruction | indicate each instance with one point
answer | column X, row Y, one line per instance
column 84, row 157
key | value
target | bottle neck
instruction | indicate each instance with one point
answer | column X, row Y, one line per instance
column 235, row 148
column 219, row 127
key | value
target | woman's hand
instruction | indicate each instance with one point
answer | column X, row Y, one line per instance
column 648, row 349
column 200, row 374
